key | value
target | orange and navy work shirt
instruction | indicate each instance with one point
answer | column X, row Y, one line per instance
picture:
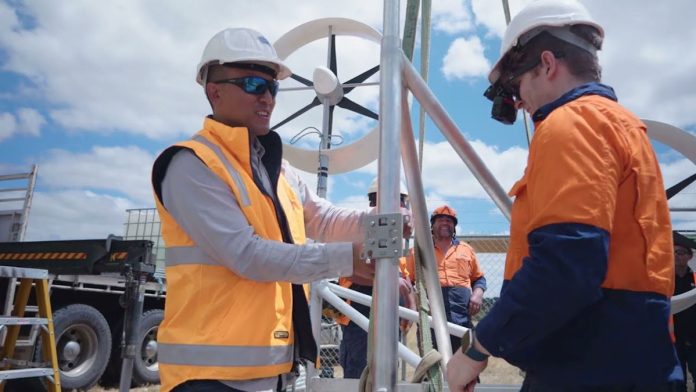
column 589, row 270
column 459, row 273
column 456, row 267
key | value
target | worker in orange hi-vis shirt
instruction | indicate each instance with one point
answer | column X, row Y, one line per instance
column 590, row 267
column 461, row 277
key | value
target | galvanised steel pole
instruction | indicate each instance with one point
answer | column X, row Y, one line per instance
column 424, row 238
column 315, row 301
column 384, row 354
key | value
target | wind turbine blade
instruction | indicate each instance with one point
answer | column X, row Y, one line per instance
column 346, row 103
column 674, row 189
column 315, row 102
column 360, row 78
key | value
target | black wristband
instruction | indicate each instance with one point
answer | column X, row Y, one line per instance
column 473, row 353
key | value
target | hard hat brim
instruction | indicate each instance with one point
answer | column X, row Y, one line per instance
column 283, row 70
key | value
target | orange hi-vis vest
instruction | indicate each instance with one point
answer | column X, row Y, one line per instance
column 218, row 325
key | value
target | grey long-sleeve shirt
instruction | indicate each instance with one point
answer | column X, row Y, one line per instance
column 208, row 212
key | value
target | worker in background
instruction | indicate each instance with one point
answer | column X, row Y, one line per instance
column 461, row 278
column 353, row 348
column 589, row 270
column 235, row 217
column 685, row 321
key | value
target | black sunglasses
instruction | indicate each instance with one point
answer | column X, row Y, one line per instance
column 512, row 83
column 255, row 85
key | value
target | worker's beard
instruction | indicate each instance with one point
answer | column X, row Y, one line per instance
column 444, row 232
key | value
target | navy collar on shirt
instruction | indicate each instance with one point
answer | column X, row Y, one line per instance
column 455, row 241
column 593, row 88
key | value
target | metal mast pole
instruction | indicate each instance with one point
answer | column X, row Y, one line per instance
column 315, row 301
column 323, row 171
column 386, row 293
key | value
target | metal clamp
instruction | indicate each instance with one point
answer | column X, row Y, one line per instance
column 383, row 236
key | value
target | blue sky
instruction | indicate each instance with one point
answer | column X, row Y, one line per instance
column 93, row 91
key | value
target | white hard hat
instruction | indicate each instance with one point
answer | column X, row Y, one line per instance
column 373, row 187
column 544, row 13
column 240, row 45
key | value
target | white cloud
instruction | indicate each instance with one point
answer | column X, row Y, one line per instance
column 490, row 15
column 86, row 194
column 117, row 170
column 465, row 59
column 129, row 66
column 26, row 121
column 451, row 16
column 30, row 121
column 74, row 214
column 655, row 55
column 445, row 173
column 8, row 125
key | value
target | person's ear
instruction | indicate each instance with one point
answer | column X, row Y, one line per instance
column 549, row 63
column 212, row 91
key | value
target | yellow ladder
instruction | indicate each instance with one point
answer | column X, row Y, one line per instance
column 37, row 278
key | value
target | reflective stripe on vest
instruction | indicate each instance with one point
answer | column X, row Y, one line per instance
column 207, row 355
column 181, row 255
column 233, row 173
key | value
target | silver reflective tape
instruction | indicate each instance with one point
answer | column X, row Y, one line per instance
column 209, row 355
column 235, row 175
column 180, row 255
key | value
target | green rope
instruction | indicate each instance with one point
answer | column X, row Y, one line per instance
column 425, row 67
column 425, row 343
column 434, row 373
column 409, row 40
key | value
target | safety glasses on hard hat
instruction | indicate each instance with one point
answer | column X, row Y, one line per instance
column 254, row 85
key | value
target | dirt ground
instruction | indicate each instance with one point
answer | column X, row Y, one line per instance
column 498, row 372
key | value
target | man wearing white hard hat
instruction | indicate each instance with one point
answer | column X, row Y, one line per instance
column 235, row 218
column 589, row 271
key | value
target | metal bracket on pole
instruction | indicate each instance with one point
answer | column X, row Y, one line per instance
column 383, row 236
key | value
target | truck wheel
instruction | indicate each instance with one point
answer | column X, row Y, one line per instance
column 83, row 344
column 145, row 366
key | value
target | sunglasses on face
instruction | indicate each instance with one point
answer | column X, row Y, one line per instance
column 254, row 85
column 681, row 252
column 512, row 83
